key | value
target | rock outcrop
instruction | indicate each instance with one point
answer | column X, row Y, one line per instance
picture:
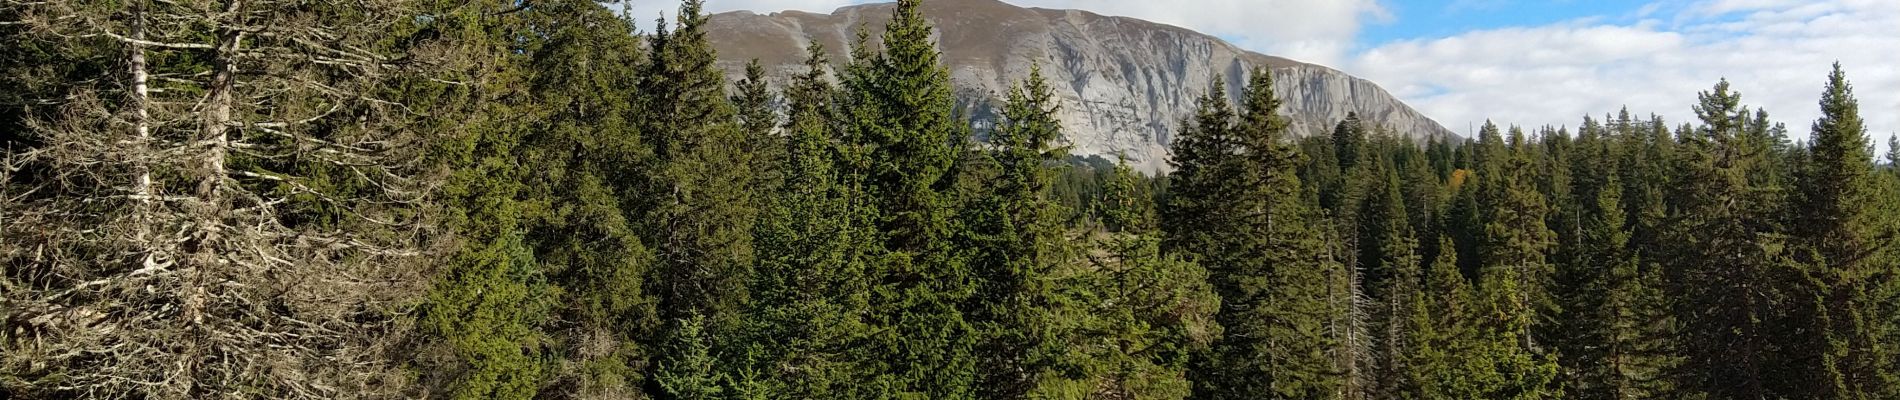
column 1124, row 84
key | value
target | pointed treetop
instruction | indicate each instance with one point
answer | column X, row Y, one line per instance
column 1840, row 111
column 1721, row 108
column 1893, row 151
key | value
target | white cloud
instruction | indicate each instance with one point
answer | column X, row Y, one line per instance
column 1314, row 31
column 1777, row 53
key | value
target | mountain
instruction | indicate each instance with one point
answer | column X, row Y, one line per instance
column 1124, row 84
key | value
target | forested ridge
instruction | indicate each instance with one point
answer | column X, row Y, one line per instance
column 536, row 200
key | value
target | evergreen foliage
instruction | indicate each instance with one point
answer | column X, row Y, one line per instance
column 1235, row 208
column 698, row 214
column 508, row 200
column 904, row 139
column 1847, row 249
column 809, row 291
column 1021, row 246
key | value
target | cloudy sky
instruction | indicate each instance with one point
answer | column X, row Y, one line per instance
column 1544, row 62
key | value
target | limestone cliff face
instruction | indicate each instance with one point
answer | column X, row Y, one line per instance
column 1124, row 84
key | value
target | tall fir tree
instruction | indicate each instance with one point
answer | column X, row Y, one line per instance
column 758, row 111
column 810, row 288
column 688, row 369
column 1725, row 262
column 1145, row 313
column 1846, row 250
column 1618, row 337
column 1349, row 142
column 1514, row 279
column 698, row 212
column 904, row 139
column 488, row 306
column 1441, row 363
column 1021, row 244
column 1397, row 282
column 1236, row 207
column 579, row 149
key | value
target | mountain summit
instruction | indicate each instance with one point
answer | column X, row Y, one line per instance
column 1124, row 84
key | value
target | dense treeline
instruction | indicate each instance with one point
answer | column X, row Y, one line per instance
column 513, row 200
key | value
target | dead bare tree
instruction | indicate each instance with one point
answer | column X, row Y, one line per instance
column 233, row 214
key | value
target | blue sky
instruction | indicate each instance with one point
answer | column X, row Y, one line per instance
column 1411, row 19
column 1544, row 62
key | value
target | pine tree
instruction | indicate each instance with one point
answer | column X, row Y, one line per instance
column 1644, row 352
column 1589, row 249
column 1235, row 207
column 688, row 369
column 1425, row 201
column 1397, row 282
column 1618, row 340
column 1444, row 362
column 490, row 310
column 1127, row 207
column 489, row 305
column 756, row 108
column 1471, row 199
column 1842, row 238
column 1349, row 142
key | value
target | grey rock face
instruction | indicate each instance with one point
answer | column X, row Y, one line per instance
column 1124, row 84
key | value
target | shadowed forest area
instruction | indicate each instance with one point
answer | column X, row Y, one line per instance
column 204, row 199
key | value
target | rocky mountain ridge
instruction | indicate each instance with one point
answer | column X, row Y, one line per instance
column 1123, row 84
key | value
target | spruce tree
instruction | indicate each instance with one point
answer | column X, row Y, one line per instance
column 1397, row 281
column 489, row 305
column 757, row 109
column 490, row 309
column 1349, row 142
column 810, row 288
column 1842, row 235
column 1724, row 261
column 1618, row 335
column 1514, row 280
column 1235, row 207
column 688, row 369
column 698, row 211
column 579, row 149
column 904, row 139
column 1021, row 244
column 1444, row 362
column 1147, row 313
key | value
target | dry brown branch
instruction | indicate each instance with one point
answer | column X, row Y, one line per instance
column 151, row 265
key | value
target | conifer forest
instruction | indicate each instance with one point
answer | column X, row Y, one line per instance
column 325, row 199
